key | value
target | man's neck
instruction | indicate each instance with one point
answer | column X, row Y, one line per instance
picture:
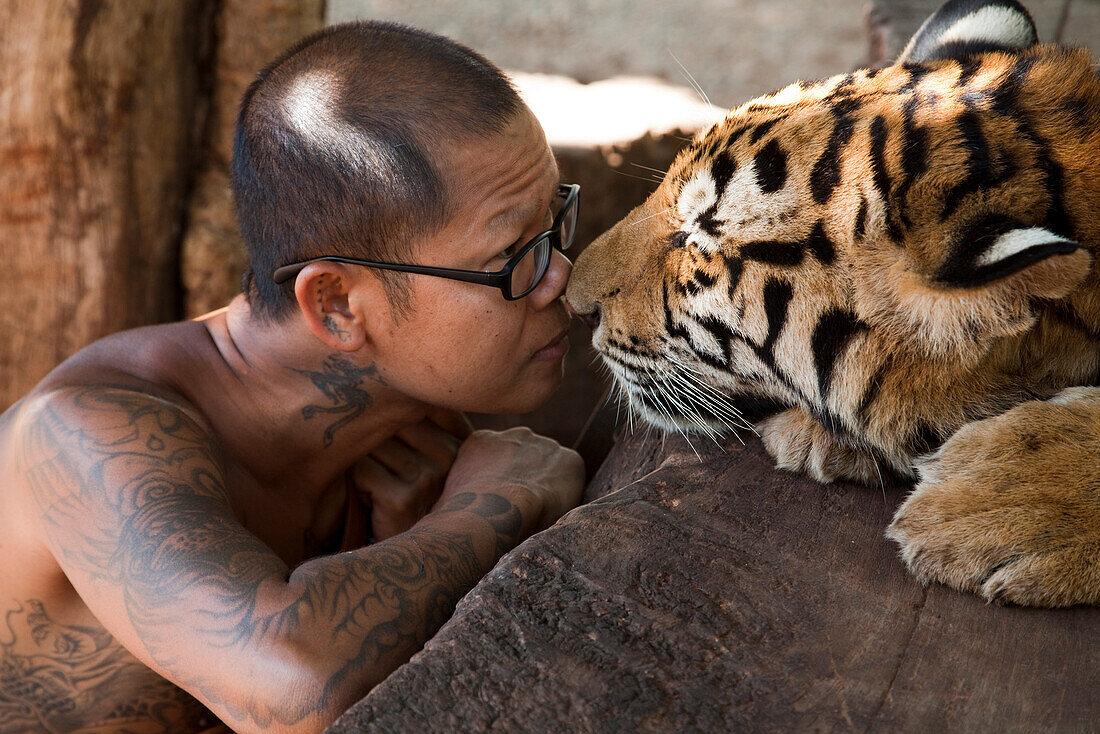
column 296, row 414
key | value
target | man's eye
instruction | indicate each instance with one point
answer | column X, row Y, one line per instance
column 509, row 252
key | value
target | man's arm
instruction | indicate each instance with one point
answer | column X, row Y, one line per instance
column 132, row 499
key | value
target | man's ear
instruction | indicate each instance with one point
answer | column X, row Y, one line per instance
column 962, row 28
column 989, row 274
column 323, row 292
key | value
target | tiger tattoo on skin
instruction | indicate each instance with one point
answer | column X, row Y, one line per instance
column 892, row 272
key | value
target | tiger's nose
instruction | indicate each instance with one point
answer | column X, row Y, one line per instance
column 592, row 318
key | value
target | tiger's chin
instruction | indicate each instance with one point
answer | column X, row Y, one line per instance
column 717, row 415
column 677, row 423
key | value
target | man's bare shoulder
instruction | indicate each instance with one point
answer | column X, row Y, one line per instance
column 72, row 451
column 61, row 440
column 156, row 368
column 102, row 391
column 165, row 361
column 103, row 408
column 94, row 406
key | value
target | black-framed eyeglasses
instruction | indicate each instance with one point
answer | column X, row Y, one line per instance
column 519, row 276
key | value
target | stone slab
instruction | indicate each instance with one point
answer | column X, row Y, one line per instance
column 712, row 592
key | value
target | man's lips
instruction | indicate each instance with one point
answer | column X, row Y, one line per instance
column 556, row 348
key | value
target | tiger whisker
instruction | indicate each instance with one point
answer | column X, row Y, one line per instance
column 881, row 484
column 643, row 219
column 693, row 391
column 693, row 416
column 719, row 397
column 690, row 78
column 707, row 390
column 640, row 178
column 629, row 407
column 701, row 406
column 712, row 399
column 695, row 396
column 665, row 409
column 649, row 168
column 714, row 403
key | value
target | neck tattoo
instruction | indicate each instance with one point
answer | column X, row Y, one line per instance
column 340, row 380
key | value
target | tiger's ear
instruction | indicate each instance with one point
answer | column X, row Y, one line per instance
column 962, row 28
column 984, row 286
column 993, row 247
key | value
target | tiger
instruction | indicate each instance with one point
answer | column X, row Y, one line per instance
column 891, row 275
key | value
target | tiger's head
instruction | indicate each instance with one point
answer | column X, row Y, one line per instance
column 896, row 251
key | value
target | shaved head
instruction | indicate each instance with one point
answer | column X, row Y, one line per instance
column 339, row 146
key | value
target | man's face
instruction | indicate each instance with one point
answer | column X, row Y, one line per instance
column 464, row 346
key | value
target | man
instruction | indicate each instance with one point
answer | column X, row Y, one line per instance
column 176, row 494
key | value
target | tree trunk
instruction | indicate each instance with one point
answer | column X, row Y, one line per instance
column 96, row 104
column 111, row 113
column 249, row 34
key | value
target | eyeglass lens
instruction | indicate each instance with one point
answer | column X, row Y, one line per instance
column 569, row 226
column 530, row 269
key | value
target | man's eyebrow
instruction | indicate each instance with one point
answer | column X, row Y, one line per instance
column 514, row 216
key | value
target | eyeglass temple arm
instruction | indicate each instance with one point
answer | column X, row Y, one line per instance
column 287, row 272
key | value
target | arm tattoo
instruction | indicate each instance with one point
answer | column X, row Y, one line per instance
column 340, row 380
column 56, row 677
column 132, row 495
column 504, row 517
column 386, row 607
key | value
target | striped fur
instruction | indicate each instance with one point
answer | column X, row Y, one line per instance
column 889, row 251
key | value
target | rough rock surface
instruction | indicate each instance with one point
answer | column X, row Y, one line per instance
column 718, row 594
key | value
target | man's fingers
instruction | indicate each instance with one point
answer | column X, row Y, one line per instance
column 399, row 458
column 435, row 444
column 453, row 422
column 369, row 473
column 393, row 508
column 387, row 494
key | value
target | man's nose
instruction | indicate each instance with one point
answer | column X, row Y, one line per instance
column 553, row 283
column 592, row 318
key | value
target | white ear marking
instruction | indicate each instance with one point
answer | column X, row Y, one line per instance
column 993, row 24
column 1015, row 241
column 965, row 27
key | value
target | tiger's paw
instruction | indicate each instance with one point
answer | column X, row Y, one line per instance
column 800, row 444
column 1009, row 507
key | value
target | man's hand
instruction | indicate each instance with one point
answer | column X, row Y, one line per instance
column 545, row 479
column 403, row 477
